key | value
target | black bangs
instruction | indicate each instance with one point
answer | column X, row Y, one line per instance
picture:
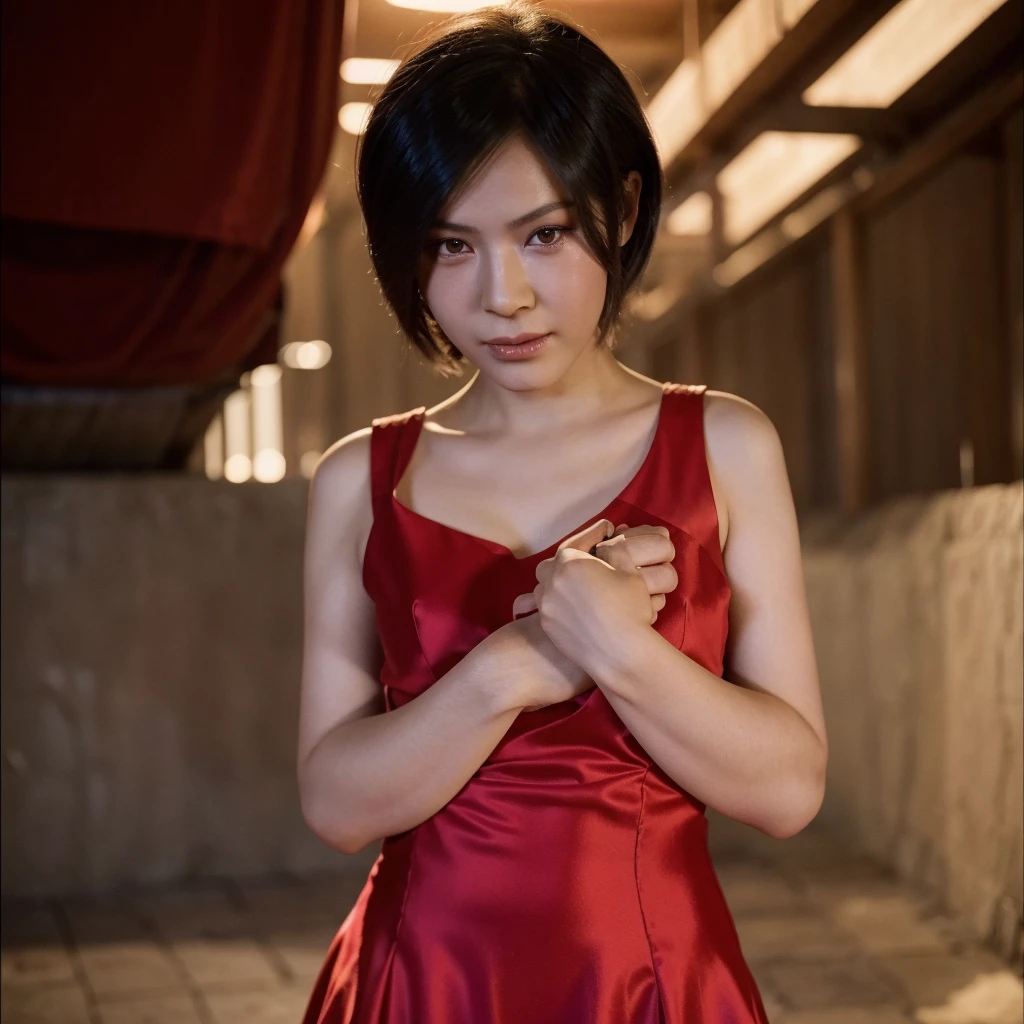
column 483, row 78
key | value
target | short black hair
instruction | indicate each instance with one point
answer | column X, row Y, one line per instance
column 481, row 78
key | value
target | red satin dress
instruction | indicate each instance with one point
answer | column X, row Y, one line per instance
column 569, row 881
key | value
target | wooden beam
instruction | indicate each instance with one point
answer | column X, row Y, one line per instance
column 867, row 122
column 850, row 362
column 691, row 29
column 788, row 58
column 951, row 134
column 891, row 172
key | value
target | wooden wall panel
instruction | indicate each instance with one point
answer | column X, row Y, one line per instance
column 936, row 345
column 1013, row 233
column 768, row 341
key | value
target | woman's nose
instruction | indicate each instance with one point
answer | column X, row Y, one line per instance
column 506, row 286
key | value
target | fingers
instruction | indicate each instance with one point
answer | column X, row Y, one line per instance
column 587, row 538
column 660, row 579
column 583, row 541
column 623, row 528
column 629, row 548
column 616, row 552
column 523, row 605
column 646, row 545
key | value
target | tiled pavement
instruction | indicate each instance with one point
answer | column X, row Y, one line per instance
column 830, row 940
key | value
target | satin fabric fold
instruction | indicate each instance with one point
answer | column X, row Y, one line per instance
column 569, row 881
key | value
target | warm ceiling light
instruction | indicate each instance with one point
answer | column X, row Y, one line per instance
column 741, row 40
column 898, row 51
column 237, row 468
column 367, row 70
column 698, row 87
column 237, row 436
column 676, row 113
column 442, row 6
column 353, row 117
column 691, row 217
column 775, row 169
column 268, row 466
column 306, row 355
column 265, row 375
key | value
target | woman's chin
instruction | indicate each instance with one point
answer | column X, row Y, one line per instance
column 535, row 371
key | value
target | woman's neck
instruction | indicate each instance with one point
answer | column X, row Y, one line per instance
column 582, row 394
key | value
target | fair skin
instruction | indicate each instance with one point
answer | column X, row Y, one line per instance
column 522, row 455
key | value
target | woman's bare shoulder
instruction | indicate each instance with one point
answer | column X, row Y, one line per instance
column 743, row 445
column 744, row 451
column 347, row 462
column 340, row 488
column 736, row 428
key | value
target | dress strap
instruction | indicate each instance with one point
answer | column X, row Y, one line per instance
column 681, row 491
column 392, row 439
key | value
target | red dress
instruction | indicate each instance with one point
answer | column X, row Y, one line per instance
column 569, row 881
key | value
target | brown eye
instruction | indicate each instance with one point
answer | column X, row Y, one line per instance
column 444, row 248
column 549, row 237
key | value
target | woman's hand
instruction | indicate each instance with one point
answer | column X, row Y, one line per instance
column 543, row 674
column 660, row 577
column 587, row 602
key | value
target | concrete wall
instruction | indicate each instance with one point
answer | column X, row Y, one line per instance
column 918, row 623
column 150, row 636
column 151, row 631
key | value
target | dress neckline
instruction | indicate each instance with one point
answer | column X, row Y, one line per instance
column 503, row 549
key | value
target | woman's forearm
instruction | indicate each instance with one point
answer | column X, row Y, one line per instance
column 383, row 774
column 745, row 753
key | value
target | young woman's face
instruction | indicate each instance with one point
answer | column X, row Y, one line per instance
column 507, row 259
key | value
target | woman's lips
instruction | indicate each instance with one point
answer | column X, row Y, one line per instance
column 517, row 340
column 514, row 349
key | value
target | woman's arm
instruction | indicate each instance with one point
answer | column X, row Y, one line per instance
column 363, row 774
column 755, row 751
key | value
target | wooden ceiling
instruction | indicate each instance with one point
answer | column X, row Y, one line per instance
column 644, row 37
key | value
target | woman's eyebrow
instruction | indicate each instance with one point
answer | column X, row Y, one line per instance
column 447, row 225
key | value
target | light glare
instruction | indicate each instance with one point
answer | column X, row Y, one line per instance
column 367, row 70
column 775, row 169
column 353, row 117
column 237, row 468
column 692, row 216
column 306, row 355
column 269, row 465
column 897, row 51
column 676, row 112
column 265, row 376
column 237, row 436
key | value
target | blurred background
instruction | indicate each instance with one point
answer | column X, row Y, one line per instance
column 190, row 320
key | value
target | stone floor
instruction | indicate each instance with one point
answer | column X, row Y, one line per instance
column 830, row 939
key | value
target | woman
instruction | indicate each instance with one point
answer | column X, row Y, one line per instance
column 556, row 717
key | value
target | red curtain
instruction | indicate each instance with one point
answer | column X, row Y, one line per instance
column 158, row 162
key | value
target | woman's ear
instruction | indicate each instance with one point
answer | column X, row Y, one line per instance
column 631, row 187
